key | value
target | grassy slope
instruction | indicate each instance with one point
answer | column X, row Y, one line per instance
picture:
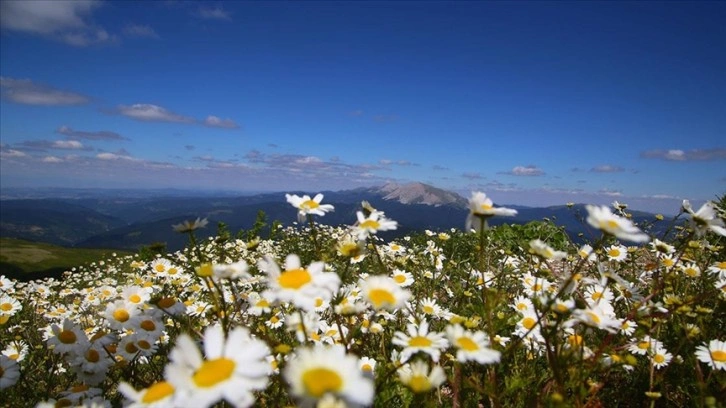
column 26, row 260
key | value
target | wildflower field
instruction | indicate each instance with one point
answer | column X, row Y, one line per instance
column 334, row 316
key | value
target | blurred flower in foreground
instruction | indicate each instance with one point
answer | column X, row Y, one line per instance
column 189, row 226
column 9, row 372
column 231, row 369
column 306, row 205
column 158, row 394
column 602, row 218
column 714, row 354
column 481, row 208
column 417, row 377
column 316, row 372
column 371, row 224
column 382, row 292
column 539, row 247
column 705, row 218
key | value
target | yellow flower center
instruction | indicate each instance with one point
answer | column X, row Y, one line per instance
column 157, row 392
column 528, row 323
column 668, row 262
column 172, row 271
column 614, row 253
column 135, row 298
column 121, row 315
column 719, row 356
column 144, row 344
column 596, row 295
column 294, row 279
column 574, row 340
column 419, row 383
column 371, row 224
column 79, row 388
column 148, row 325
column 263, row 303
column 67, row 337
column 319, row 381
column 692, row 272
column 6, row 307
column 131, row 348
column 93, row 356
column 367, row 367
column 166, row 303
column 467, row 344
column 63, row 402
column 608, row 224
column 721, row 265
column 213, row 372
column 399, row 278
column 380, row 297
column 659, row 358
column 309, row 205
column 486, row 206
column 419, row 341
column 594, row 317
column 643, row 345
column 318, row 301
column 428, row 309
column 159, row 268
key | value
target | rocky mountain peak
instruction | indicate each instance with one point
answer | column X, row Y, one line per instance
column 420, row 193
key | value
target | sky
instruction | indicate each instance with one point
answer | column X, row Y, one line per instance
column 533, row 103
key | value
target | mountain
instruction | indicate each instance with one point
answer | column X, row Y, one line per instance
column 419, row 193
column 112, row 221
column 53, row 221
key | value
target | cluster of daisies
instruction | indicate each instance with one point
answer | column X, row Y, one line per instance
column 275, row 322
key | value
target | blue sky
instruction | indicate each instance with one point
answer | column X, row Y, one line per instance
column 534, row 103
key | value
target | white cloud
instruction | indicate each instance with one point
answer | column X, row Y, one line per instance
column 112, row 156
column 67, row 144
column 12, row 153
column 63, row 20
column 606, row 168
column 140, row 31
column 214, row 121
column 152, row 113
column 79, row 134
column 530, row 171
column 686, row 155
column 51, row 159
column 214, row 13
column 26, row 92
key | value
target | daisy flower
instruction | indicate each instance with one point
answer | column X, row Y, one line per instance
column 316, row 372
column 69, row 338
column 189, row 226
column 306, row 205
column 471, row 345
column 382, row 292
column 297, row 285
column 718, row 269
column 9, row 372
column 232, row 368
column 661, row 357
column 402, row 278
column 119, row 313
column 367, row 365
column 713, row 354
column 482, row 207
column 157, row 395
column 371, row 224
column 419, row 378
column 617, row 253
column 418, row 338
column 9, row 305
column 602, row 218
column 691, row 270
column 539, row 247
column 705, row 218
column 598, row 316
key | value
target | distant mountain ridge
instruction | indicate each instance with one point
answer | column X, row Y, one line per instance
column 131, row 222
column 420, row 193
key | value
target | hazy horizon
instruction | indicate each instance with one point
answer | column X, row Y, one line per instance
column 534, row 103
